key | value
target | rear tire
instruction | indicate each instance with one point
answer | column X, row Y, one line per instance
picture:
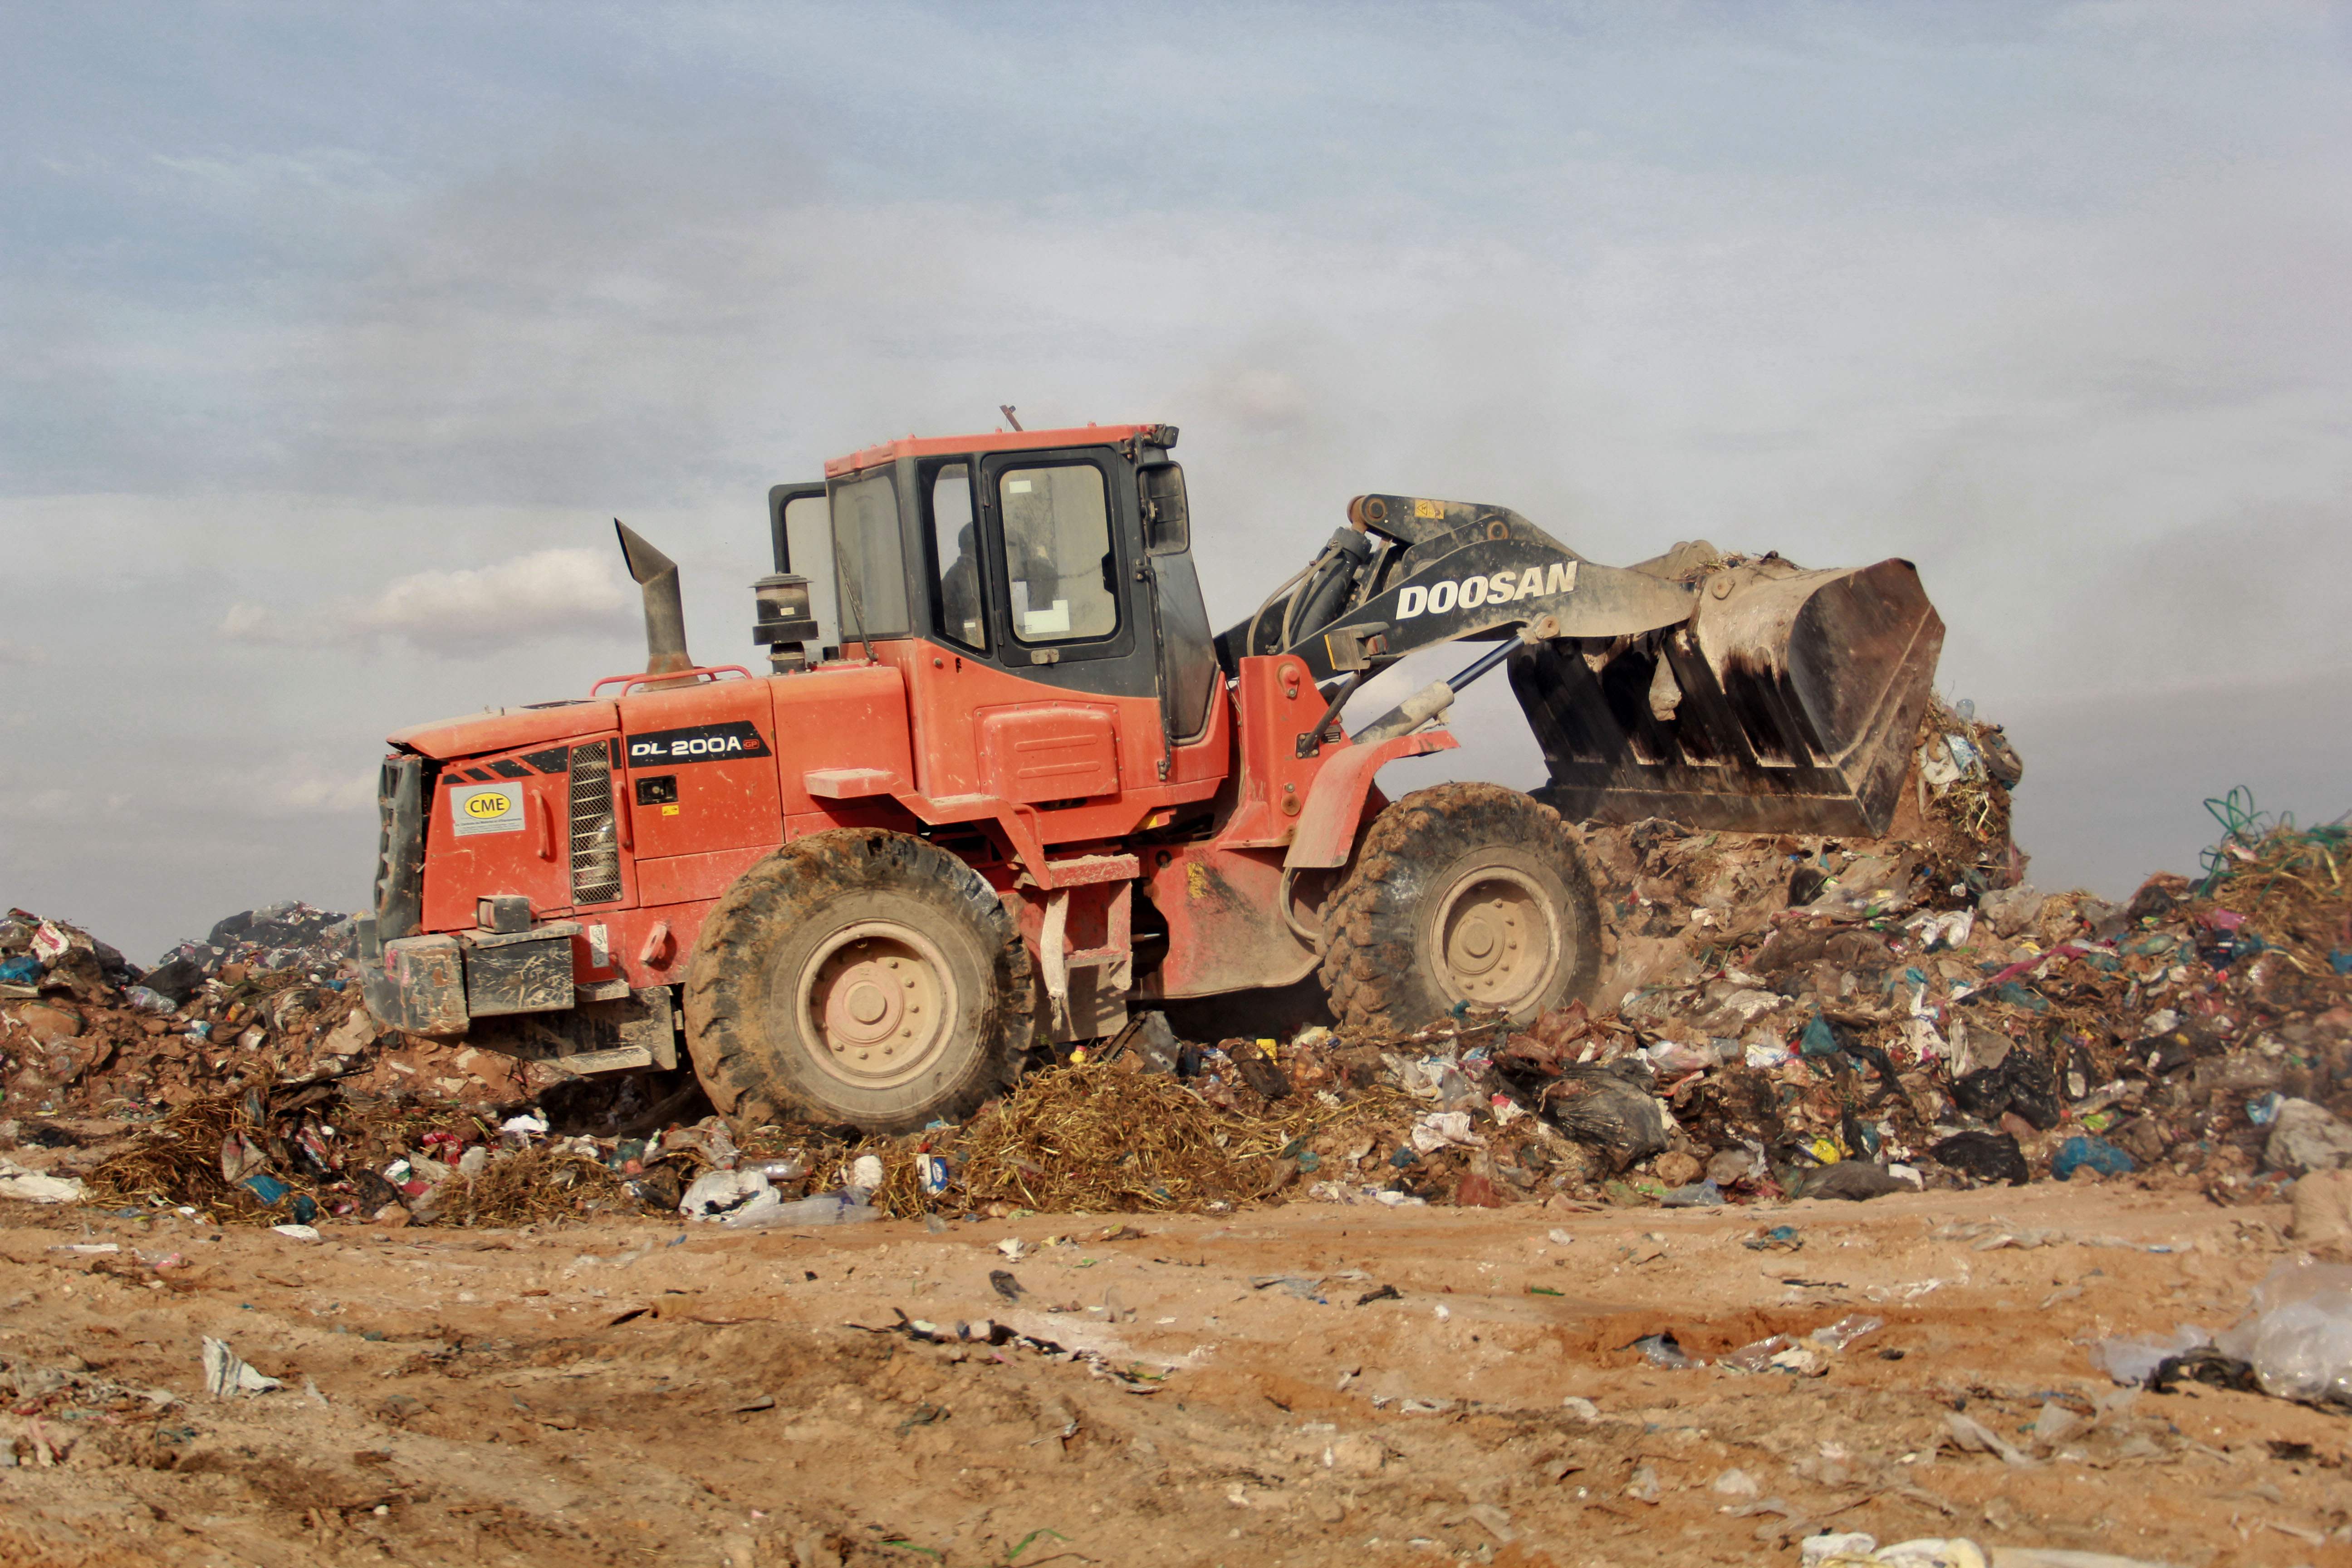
column 858, row 976
column 1466, row 893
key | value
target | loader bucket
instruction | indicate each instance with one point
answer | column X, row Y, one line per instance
column 1788, row 702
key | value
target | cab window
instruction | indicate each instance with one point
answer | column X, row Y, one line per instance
column 867, row 561
column 955, row 549
column 1058, row 560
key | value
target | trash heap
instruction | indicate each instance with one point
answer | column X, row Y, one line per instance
column 293, row 936
column 296, row 1151
column 1800, row 1017
column 1784, row 1016
column 271, row 994
column 1793, row 1016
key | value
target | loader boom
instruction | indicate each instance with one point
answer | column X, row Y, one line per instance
column 1722, row 693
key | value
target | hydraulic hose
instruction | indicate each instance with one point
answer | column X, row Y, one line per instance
column 1438, row 696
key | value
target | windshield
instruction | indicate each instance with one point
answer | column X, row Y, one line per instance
column 868, row 559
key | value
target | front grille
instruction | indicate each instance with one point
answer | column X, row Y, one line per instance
column 596, row 846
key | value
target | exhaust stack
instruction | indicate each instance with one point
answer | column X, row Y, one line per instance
column 665, row 609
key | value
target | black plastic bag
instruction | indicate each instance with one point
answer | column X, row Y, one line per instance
column 2020, row 1083
column 1988, row 1156
column 1611, row 1108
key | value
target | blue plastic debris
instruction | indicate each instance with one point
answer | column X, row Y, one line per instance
column 2017, row 996
column 1702, row 1195
column 2083, row 1150
column 266, row 1187
column 1817, row 1040
column 1779, row 1238
column 24, row 969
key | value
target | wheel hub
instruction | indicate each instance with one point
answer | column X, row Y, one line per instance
column 878, row 999
column 1497, row 942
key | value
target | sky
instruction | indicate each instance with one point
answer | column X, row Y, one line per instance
column 331, row 338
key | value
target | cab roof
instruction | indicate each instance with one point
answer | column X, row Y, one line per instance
column 999, row 441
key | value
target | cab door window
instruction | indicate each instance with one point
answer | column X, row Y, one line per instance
column 955, row 551
column 1059, row 564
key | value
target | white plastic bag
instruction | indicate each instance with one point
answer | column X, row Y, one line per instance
column 2131, row 1361
column 2300, row 1336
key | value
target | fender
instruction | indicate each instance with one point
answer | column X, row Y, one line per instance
column 1335, row 802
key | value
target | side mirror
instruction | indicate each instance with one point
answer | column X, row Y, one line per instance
column 1167, row 524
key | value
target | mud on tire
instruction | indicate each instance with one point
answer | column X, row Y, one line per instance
column 1465, row 892
column 862, row 976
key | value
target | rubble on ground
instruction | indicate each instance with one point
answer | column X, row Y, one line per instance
column 1785, row 1016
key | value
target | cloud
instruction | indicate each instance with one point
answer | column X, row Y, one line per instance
column 22, row 654
column 547, row 594
column 2030, row 297
column 307, row 788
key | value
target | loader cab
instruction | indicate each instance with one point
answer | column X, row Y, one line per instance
column 1061, row 559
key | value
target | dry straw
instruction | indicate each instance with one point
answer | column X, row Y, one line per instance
column 1099, row 1139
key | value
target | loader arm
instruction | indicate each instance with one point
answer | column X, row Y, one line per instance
column 1520, row 575
column 1722, row 692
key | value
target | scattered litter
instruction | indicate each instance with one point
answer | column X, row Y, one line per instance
column 1971, row 1436
column 2298, row 1338
column 226, row 1374
column 1662, row 1349
column 36, row 1187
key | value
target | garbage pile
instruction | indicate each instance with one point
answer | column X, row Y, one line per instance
column 293, row 936
column 1784, row 1016
column 273, row 1153
column 271, row 994
column 1793, row 1017
column 1805, row 1018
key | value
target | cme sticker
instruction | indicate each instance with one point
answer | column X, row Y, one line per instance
column 486, row 808
column 1429, row 509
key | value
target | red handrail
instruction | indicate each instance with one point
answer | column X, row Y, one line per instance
column 713, row 670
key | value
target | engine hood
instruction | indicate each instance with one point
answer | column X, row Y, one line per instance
column 505, row 729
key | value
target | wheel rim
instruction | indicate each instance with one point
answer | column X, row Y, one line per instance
column 1497, row 940
column 878, row 1002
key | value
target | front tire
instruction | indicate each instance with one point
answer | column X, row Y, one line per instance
column 858, row 976
column 1464, row 893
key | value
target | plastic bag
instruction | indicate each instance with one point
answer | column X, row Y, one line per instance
column 2130, row 1361
column 1988, row 1156
column 2299, row 1337
column 827, row 1208
column 2083, row 1150
column 717, row 1192
column 2022, row 1083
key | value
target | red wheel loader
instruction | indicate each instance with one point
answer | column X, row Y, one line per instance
column 1029, row 794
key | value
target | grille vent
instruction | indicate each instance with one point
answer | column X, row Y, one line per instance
column 596, row 846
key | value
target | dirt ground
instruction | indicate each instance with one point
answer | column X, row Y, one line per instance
column 628, row 1393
